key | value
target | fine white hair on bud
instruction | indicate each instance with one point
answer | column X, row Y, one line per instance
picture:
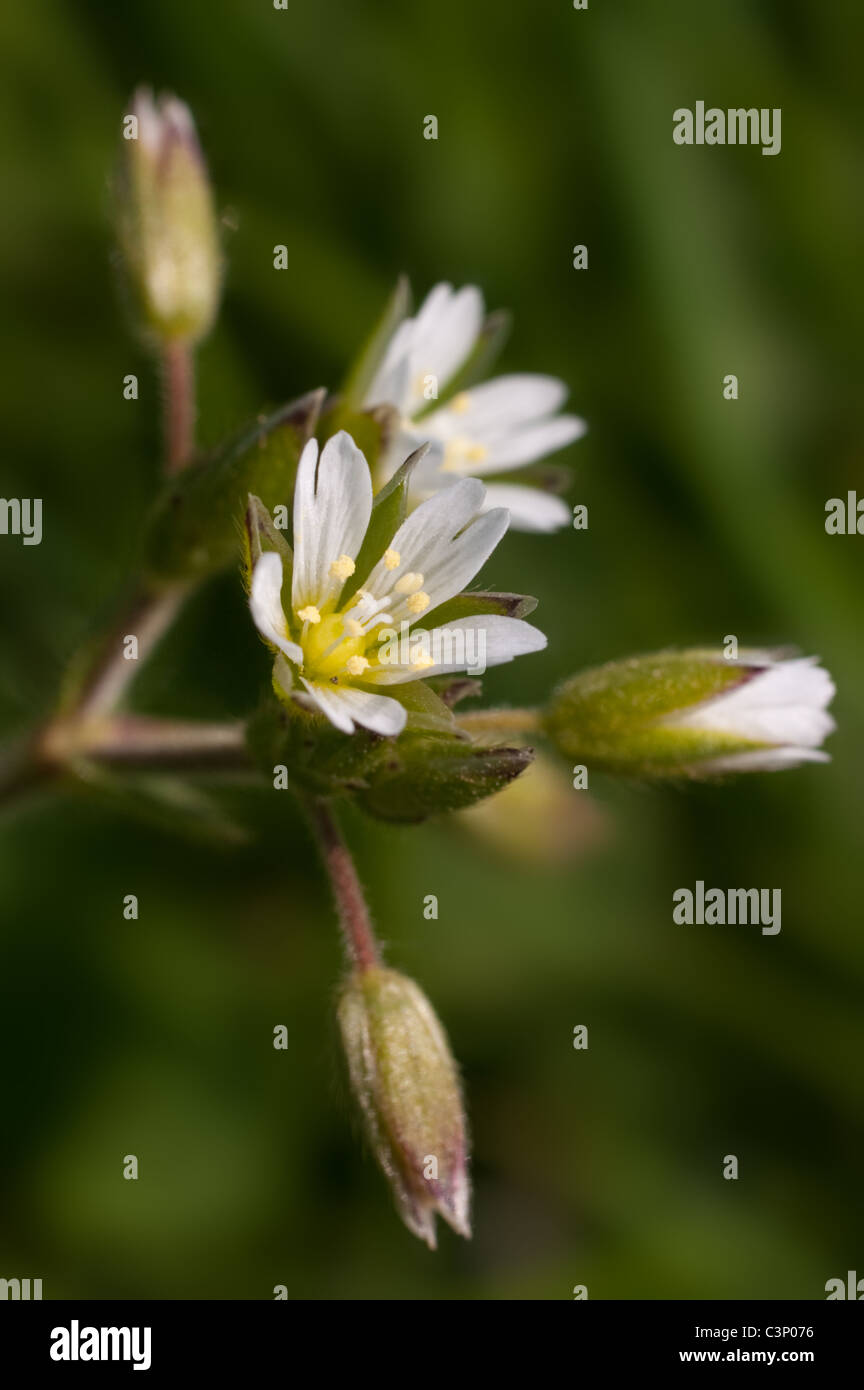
column 407, row 1087
column 694, row 714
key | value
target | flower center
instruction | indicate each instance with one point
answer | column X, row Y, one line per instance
column 330, row 650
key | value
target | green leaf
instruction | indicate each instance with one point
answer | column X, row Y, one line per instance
column 195, row 529
column 165, row 802
column 362, row 373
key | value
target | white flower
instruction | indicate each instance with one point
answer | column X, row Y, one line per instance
column 780, row 707
column 489, row 429
column 334, row 649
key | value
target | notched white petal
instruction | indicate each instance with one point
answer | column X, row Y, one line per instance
column 265, row 605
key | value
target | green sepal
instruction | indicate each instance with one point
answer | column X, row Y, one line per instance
column 420, row 775
column 619, row 717
column 260, row 535
column 454, row 689
column 470, row 605
column 490, row 340
column 195, row 528
column 425, row 707
column 546, row 477
column 373, row 431
column 362, row 373
column 320, row 759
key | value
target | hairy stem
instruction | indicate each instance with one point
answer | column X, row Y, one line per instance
column 148, row 745
column 178, row 398
column 500, row 721
column 350, row 902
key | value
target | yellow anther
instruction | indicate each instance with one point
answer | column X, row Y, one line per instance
column 417, row 602
column 343, row 568
column 460, row 403
column 353, row 628
column 309, row 614
column 409, row 583
column 476, row 453
column 423, row 663
column 392, row 559
column 356, row 665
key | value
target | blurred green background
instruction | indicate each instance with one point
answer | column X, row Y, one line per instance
column 706, row 518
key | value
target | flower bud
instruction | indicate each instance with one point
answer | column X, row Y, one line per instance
column 406, row 1083
column 166, row 221
column 693, row 714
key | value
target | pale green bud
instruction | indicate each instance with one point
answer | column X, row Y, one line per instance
column 407, row 1086
column 693, row 714
column 166, row 221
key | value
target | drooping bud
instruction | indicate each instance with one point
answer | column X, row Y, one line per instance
column 406, row 1083
column 693, row 714
column 166, row 222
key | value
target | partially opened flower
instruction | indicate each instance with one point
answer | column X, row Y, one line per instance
column 356, row 594
column 694, row 714
column 486, row 431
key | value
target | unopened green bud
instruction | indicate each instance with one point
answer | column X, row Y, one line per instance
column 407, row 1086
column 166, row 221
column 693, row 714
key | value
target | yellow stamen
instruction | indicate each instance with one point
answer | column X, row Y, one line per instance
column 459, row 452
column 309, row 614
column 460, row 403
column 356, row 665
column 423, row 663
column 417, row 602
column 342, row 568
column 392, row 559
column 353, row 628
column 409, row 583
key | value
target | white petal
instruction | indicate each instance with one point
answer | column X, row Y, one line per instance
column 784, row 704
column 446, row 330
column 764, row 760
column 497, row 405
column 488, row 639
column 390, row 385
column 345, row 706
column 530, row 442
column 530, row 508
column 332, row 506
column 265, row 603
column 446, row 540
column 434, row 343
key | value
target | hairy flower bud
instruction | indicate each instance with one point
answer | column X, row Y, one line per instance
column 166, row 221
column 693, row 714
column 406, row 1083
